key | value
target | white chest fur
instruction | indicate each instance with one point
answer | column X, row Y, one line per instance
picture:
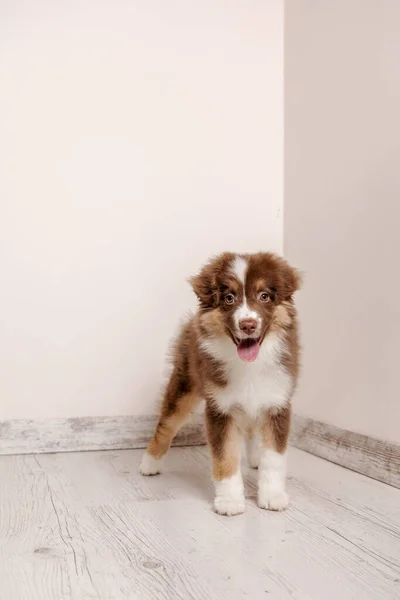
column 264, row 383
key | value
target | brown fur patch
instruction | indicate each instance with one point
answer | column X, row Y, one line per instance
column 275, row 427
column 174, row 412
column 282, row 279
column 211, row 323
column 281, row 317
column 225, row 441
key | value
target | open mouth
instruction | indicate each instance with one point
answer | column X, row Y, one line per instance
column 248, row 349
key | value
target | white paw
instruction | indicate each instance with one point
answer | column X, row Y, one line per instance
column 150, row 465
column 272, row 500
column 225, row 505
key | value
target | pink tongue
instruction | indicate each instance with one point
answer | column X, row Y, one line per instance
column 248, row 350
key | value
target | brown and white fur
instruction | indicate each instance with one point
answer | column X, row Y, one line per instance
column 239, row 353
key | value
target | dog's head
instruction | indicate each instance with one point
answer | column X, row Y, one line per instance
column 242, row 295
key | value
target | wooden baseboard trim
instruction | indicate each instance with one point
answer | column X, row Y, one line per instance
column 367, row 455
column 24, row 436
column 370, row 456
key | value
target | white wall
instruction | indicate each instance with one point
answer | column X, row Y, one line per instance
column 342, row 210
column 137, row 138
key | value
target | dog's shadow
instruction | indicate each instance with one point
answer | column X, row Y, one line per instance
column 189, row 484
column 198, row 484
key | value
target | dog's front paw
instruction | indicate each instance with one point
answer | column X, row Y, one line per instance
column 150, row 465
column 272, row 500
column 225, row 505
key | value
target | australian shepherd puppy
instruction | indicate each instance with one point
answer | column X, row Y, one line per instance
column 240, row 354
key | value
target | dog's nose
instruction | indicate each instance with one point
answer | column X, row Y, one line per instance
column 248, row 326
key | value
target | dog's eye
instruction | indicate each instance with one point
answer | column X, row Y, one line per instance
column 229, row 299
column 265, row 297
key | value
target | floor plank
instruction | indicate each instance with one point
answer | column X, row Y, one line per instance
column 88, row 526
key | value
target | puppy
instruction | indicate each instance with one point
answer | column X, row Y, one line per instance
column 240, row 353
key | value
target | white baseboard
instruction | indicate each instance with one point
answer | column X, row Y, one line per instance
column 24, row 436
column 364, row 454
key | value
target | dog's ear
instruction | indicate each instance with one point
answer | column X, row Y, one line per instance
column 289, row 280
column 206, row 284
column 205, row 287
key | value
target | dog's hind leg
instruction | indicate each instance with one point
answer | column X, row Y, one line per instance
column 178, row 402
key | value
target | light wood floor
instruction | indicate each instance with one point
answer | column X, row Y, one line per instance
column 88, row 526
